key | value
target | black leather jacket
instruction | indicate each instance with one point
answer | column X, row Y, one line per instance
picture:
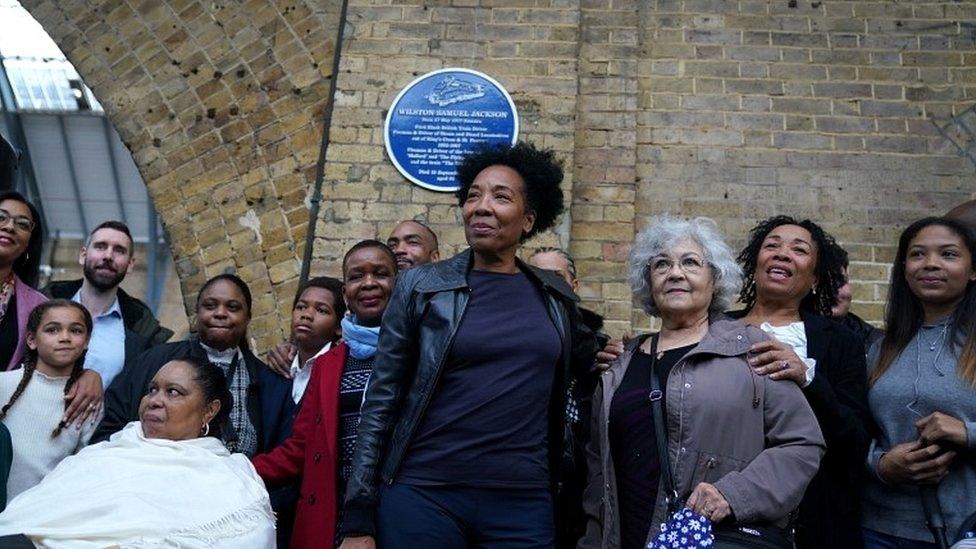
column 418, row 329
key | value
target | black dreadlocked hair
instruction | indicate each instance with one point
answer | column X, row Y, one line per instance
column 829, row 268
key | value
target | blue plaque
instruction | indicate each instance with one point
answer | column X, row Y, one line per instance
column 441, row 116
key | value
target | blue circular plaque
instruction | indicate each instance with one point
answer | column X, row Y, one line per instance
column 441, row 116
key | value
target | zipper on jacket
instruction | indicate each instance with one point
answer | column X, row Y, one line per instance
column 681, row 420
column 433, row 385
column 755, row 393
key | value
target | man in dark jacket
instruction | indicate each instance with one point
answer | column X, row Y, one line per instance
column 414, row 244
column 103, row 275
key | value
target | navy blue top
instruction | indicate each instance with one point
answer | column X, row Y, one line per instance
column 487, row 419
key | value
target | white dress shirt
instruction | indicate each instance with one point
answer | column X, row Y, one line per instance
column 302, row 374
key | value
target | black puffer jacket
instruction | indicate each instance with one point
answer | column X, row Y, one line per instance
column 418, row 329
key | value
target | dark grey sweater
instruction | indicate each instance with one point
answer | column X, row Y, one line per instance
column 897, row 401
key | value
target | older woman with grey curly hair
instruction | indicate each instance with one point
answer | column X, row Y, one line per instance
column 742, row 448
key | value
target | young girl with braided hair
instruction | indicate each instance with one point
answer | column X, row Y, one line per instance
column 57, row 336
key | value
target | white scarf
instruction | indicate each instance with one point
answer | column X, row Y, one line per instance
column 133, row 491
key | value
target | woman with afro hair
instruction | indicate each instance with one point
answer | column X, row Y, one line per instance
column 792, row 271
column 462, row 431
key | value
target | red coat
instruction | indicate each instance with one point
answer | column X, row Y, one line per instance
column 311, row 452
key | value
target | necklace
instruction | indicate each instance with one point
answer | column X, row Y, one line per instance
column 6, row 291
column 939, row 342
column 940, row 337
column 681, row 343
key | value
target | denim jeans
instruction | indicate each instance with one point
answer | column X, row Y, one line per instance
column 448, row 517
column 877, row 540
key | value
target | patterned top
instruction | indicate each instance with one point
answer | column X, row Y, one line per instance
column 352, row 386
column 231, row 361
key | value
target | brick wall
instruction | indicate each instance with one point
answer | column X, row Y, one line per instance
column 221, row 105
column 529, row 47
column 731, row 109
column 814, row 109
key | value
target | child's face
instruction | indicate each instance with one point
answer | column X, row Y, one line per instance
column 313, row 320
column 61, row 337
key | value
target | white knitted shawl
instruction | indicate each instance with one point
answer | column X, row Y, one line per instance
column 133, row 491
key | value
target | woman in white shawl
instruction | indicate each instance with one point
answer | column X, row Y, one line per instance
column 160, row 482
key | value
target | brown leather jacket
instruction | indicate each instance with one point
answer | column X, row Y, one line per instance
column 753, row 438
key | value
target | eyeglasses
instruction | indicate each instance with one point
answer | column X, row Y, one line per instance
column 689, row 265
column 21, row 222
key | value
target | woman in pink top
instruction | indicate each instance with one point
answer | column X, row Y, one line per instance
column 21, row 239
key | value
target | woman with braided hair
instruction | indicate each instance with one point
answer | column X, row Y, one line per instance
column 57, row 335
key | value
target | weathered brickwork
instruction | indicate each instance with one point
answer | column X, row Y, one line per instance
column 221, row 105
column 529, row 47
column 734, row 110
column 814, row 109
column 605, row 174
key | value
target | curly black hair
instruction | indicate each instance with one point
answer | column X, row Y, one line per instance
column 831, row 259
column 539, row 169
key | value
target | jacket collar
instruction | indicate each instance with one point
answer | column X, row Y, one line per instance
column 251, row 362
column 131, row 311
column 452, row 274
column 726, row 336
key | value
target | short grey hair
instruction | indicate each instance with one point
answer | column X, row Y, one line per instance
column 666, row 231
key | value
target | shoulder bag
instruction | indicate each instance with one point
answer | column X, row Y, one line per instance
column 726, row 536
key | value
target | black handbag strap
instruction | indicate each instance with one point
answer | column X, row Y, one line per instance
column 656, row 396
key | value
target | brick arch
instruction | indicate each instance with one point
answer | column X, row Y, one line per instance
column 732, row 110
column 221, row 105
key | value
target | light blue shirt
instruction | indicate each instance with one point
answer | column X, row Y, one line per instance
column 106, row 349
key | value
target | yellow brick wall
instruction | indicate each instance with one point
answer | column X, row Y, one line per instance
column 733, row 109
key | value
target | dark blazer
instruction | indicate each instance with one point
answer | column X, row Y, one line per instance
column 829, row 514
column 268, row 403
column 136, row 315
column 418, row 329
column 279, row 409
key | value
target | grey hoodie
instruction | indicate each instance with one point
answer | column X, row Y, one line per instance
column 921, row 380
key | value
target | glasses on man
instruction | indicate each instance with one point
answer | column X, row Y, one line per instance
column 20, row 222
column 688, row 264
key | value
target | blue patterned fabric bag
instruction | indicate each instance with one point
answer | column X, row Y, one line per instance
column 686, row 528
